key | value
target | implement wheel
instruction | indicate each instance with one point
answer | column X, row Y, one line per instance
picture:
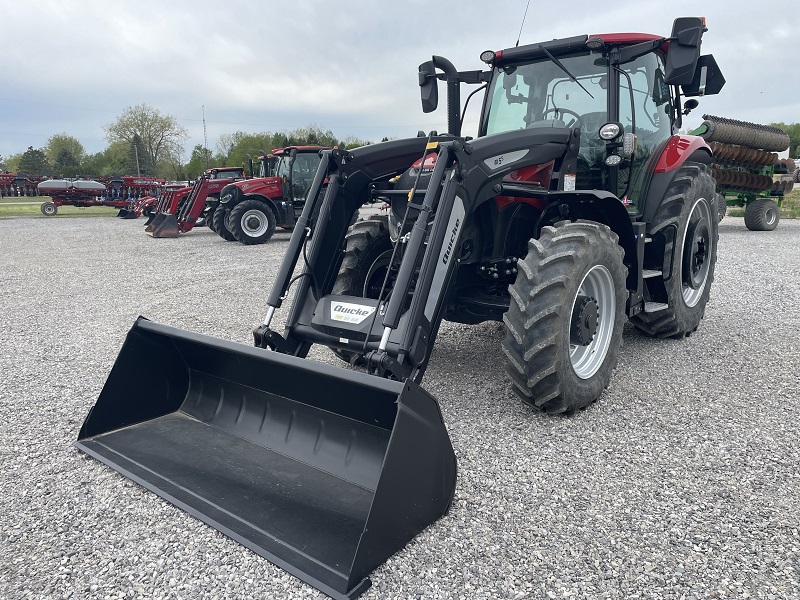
column 689, row 210
column 564, row 322
column 252, row 222
column 49, row 209
column 220, row 218
column 762, row 215
column 366, row 260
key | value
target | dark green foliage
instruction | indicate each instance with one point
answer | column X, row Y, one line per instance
column 34, row 162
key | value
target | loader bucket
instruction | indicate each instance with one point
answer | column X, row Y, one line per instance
column 150, row 218
column 324, row 471
column 155, row 222
column 163, row 228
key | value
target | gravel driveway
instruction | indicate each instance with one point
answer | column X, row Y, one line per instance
column 683, row 481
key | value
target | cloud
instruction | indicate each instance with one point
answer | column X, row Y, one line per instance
column 349, row 67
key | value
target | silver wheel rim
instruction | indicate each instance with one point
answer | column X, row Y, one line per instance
column 254, row 222
column 691, row 296
column 770, row 216
column 597, row 284
column 49, row 209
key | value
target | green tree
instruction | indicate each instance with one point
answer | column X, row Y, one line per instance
column 161, row 135
column 34, row 162
column 138, row 162
column 2, row 163
column 59, row 142
column 66, row 164
column 12, row 163
column 198, row 161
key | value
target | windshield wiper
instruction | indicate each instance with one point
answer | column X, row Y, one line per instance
column 563, row 68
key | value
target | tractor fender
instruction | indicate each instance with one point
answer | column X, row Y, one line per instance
column 601, row 207
column 681, row 148
column 677, row 151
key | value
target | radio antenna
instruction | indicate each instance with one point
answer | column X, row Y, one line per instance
column 523, row 23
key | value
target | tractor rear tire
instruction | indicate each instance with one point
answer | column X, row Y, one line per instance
column 220, row 217
column 722, row 207
column 49, row 209
column 368, row 248
column 565, row 318
column 690, row 208
column 762, row 214
column 252, row 222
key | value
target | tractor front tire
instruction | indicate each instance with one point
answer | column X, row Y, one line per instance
column 689, row 208
column 220, row 217
column 565, row 318
column 762, row 214
column 368, row 249
column 252, row 222
column 49, row 209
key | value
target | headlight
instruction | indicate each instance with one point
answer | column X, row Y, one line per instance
column 610, row 131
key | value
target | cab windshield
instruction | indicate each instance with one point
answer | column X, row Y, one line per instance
column 541, row 94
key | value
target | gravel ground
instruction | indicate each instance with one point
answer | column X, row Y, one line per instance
column 681, row 482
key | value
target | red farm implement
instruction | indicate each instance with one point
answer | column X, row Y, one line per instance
column 16, row 185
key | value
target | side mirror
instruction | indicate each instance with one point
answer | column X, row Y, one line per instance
column 684, row 50
column 428, row 87
column 690, row 105
column 707, row 80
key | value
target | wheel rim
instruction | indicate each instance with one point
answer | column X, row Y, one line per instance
column 770, row 215
column 697, row 250
column 49, row 209
column 254, row 222
column 598, row 286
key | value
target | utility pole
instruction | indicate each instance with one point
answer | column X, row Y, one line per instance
column 138, row 169
column 205, row 135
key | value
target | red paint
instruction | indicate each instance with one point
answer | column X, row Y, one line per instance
column 540, row 174
column 626, row 38
column 678, row 149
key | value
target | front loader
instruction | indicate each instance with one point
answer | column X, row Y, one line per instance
column 196, row 207
column 575, row 208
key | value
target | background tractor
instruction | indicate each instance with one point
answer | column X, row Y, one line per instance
column 249, row 211
column 575, row 208
column 181, row 212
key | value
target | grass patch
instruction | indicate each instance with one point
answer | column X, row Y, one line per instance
column 790, row 207
column 10, row 211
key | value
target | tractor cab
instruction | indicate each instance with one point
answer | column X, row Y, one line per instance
column 225, row 173
column 296, row 168
column 622, row 92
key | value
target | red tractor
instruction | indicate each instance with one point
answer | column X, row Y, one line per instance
column 249, row 211
column 186, row 211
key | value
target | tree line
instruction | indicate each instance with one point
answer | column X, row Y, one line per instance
column 144, row 142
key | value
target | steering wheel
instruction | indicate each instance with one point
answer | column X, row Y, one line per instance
column 576, row 121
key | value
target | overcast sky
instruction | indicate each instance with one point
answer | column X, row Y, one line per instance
column 72, row 66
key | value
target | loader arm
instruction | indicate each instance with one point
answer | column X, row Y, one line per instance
column 397, row 331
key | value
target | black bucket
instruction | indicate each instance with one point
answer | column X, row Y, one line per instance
column 326, row 472
column 163, row 226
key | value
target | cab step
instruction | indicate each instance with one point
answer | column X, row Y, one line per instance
column 651, row 307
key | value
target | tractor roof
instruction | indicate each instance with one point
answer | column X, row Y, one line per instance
column 568, row 46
